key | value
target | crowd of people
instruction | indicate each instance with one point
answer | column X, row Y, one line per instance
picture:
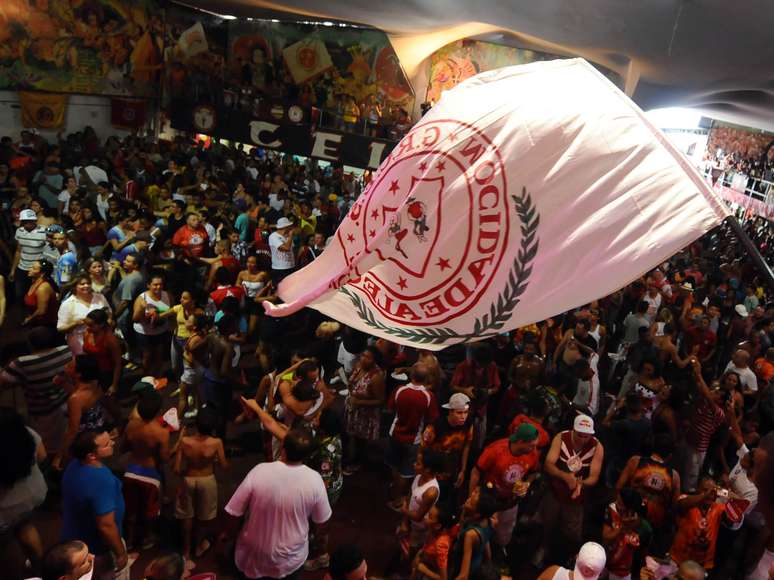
column 623, row 439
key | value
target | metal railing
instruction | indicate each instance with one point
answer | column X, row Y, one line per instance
column 754, row 187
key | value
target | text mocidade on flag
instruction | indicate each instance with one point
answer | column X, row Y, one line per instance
column 525, row 192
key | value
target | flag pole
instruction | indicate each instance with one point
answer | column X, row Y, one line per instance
column 753, row 252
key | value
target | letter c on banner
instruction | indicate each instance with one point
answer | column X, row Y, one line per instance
column 258, row 128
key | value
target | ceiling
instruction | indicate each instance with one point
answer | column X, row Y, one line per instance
column 715, row 55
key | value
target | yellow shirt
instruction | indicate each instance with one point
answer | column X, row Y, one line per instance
column 181, row 331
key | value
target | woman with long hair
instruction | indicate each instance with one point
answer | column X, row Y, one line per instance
column 180, row 314
column 22, row 488
column 85, row 408
column 41, row 299
column 194, row 359
column 92, row 231
column 364, row 403
column 150, row 326
column 100, row 342
column 258, row 287
column 95, row 268
column 71, row 320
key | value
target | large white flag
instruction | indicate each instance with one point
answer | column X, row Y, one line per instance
column 525, row 192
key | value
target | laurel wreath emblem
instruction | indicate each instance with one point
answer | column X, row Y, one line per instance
column 500, row 310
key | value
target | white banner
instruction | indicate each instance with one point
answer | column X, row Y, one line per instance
column 525, row 192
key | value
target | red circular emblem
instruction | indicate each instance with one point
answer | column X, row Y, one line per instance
column 442, row 198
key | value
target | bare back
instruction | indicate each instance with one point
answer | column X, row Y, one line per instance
column 148, row 442
column 200, row 454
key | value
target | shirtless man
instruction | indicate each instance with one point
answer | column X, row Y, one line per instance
column 148, row 444
column 198, row 494
column 218, row 376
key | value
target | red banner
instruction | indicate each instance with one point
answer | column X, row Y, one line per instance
column 127, row 113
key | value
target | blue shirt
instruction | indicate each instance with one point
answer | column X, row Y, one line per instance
column 242, row 225
column 115, row 233
column 65, row 268
column 88, row 492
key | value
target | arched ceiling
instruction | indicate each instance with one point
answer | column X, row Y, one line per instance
column 715, row 55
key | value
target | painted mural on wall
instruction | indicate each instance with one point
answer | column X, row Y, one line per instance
column 460, row 60
column 195, row 47
column 108, row 47
column 315, row 65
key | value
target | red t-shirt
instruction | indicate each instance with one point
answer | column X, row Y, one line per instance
column 224, row 292
column 500, row 468
column 435, row 553
column 543, row 438
column 192, row 241
column 706, row 340
column 414, row 408
column 469, row 374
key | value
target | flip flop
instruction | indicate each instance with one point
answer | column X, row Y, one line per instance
column 202, row 548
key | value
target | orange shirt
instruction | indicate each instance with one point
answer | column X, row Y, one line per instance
column 697, row 535
column 764, row 370
column 500, row 468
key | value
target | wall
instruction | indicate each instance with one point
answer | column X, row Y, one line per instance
column 82, row 110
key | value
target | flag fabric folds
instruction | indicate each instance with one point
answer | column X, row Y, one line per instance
column 42, row 110
column 307, row 59
column 525, row 192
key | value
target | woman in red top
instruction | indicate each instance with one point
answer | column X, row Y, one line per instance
column 100, row 342
column 92, row 230
column 41, row 299
column 223, row 259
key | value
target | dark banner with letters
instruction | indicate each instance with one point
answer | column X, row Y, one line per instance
column 277, row 130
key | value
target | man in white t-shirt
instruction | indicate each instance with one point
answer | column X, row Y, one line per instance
column 71, row 186
column 740, row 364
column 283, row 260
column 653, row 298
column 277, row 500
column 587, row 394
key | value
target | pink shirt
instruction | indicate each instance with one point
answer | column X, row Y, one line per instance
column 277, row 501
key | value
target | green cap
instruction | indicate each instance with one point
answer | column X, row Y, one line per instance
column 525, row 432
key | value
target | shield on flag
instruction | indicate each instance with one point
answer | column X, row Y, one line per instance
column 525, row 192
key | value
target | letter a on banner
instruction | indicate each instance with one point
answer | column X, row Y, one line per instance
column 525, row 192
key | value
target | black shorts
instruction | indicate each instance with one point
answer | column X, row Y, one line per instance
column 153, row 340
column 401, row 457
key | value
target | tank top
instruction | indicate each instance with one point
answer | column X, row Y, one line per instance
column 418, row 491
column 573, row 460
column 561, row 574
column 161, row 306
column 99, row 350
column 654, row 481
column 476, row 559
column 648, row 399
column 252, row 288
column 49, row 315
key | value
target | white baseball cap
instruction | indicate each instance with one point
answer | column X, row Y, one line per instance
column 590, row 562
column 283, row 222
column 584, row 424
column 457, row 402
column 741, row 310
column 28, row 215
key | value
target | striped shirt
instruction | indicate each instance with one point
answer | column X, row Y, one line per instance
column 707, row 419
column 36, row 372
column 31, row 246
